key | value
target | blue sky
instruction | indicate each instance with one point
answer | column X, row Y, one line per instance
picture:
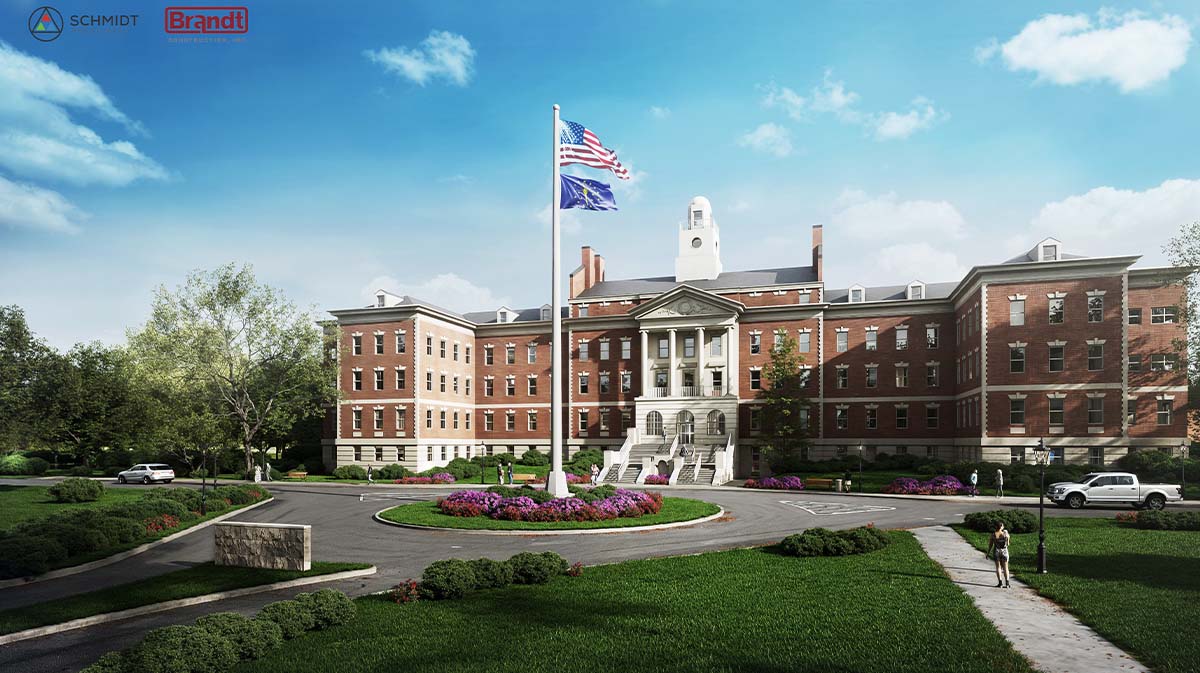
column 406, row 145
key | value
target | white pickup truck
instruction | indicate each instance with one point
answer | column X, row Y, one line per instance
column 1112, row 488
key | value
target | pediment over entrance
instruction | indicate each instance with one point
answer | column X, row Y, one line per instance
column 686, row 301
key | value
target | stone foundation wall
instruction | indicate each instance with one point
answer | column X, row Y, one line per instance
column 263, row 545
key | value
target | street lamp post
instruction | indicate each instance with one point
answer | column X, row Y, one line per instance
column 1183, row 456
column 860, row 467
column 1042, row 456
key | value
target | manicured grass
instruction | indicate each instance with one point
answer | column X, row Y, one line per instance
column 427, row 514
column 1138, row 588
column 202, row 579
column 873, row 481
column 19, row 503
column 753, row 610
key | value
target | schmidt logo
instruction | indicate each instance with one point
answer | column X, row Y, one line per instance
column 45, row 24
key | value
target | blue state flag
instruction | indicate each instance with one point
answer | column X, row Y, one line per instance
column 585, row 194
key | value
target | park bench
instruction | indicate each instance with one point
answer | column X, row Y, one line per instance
column 296, row 474
column 519, row 478
column 813, row 483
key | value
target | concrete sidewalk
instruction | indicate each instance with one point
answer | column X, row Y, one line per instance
column 1053, row 640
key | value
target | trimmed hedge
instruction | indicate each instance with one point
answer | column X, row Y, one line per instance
column 533, row 458
column 531, row 568
column 15, row 463
column 251, row 638
column 292, row 617
column 349, row 472
column 328, row 607
column 825, row 542
column 448, row 578
column 76, row 489
column 1158, row 520
column 491, row 574
column 182, row 649
column 22, row 555
column 1015, row 520
column 393, row 471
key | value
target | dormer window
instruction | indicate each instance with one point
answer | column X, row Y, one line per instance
column 858, row 294
column 545, row 313
column 380, row 300
column 916, row 290
column 1049, row 250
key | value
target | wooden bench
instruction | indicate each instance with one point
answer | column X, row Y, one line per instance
column 519, row 478
column 296, row 475
column 813, row 483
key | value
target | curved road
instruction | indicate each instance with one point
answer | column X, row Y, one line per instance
column 343, row 530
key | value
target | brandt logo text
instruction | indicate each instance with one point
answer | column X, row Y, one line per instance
column 207, row 20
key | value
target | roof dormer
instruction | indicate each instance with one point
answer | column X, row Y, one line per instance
column 857, row 294
column 916, row 290
column 1049, row 250
column 505, row 314
column 383, row 299
column 544, row 313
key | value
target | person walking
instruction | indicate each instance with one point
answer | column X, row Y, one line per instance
column 999, row 483
column 266, row 469
column 595, row 474
column 998, row 551
column 370, row 475
column 510, row 474
column 499, row 473
column 974, row 482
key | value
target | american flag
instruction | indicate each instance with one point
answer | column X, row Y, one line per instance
column 578, row 145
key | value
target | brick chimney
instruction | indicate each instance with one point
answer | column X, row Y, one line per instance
column 818, row 262
column 590, row 271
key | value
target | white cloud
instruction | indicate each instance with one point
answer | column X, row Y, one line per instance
column 792, row 103
column 30, row 207
column 984, row 52
column 898, row 126
column 443, row 54
column 1129, row 50
column 740, row 206
column 660, row 112
column 457, row 179
column 832, row 96
column 770, row 139
column 38, row 139
column 1107, row 220
column 905, row 262
column 886, row 218
column 568, row 220
column 447, row 290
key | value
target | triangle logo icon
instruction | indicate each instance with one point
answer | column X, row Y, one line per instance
column 40, row 26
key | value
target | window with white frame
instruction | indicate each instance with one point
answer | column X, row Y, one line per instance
column 489, row 387
column 1095, row 411
column 778, row 340
column 510, row 421
column 1016, row 312
column 901, row 418
column 1096, row 456
column 583, row 383
column 755, row 343
column 626, row 381
column 1016, row 411
column 401, row 418
column 442, row 349
column 660, row 378
column 488, row 355
column 1095, row 304
column 454, row 387
column 626, row 349
column 843, row 341
column 604, row 349
column 356, row 344
column 1131, row 411
column 805, row 342
column 379, row 344
column 1133, row 316
column 857, row 295
column 664, row 348
column 1163, row 411
column 755, row 379
column 1057, row 357
column 842, row 417
column 531, row 385
column 531, row 420
column 916, row 291
column 1057, row 309
column 1161, row 315
column 583, row 421
column 583, row 310
column 1162, row 362
column 467, row 354
column 872, row 418
column 455, row 352
column 1058, row 413
column 689, row 347
column 932, row 374
column 872, row 343
column 843, row 377
column 455, row 425
column 901, row 338
column 604, row 382
column 931, row 336
column 356, row 419
column 467, row 384
column 442, row 419
column 901, row 376
column 358, row 379
column 1135, row 363
column 442, row 383
column 531, row 353
column 1016, row 359
column 379, row 379
column 510, row 385
column 401, row 342
column 510, row 354
column 1095, row 357
column 429, row 418
column 931, row 416
column 714, row 346
column 429, row 345
column 872, row 376
column 467, row 420
column 755, row 420
column 489, row 421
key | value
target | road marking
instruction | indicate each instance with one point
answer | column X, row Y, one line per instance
column 832, row 508
column 930, row 518
column 377, row 496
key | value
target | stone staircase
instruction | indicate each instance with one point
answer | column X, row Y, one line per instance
column 687, row 474
column 613, row 472
column 630, row 474
column 706, row 474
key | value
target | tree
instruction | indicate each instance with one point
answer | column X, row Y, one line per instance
column 1184, row 251
column 785, row 408
column 242, row 346
column 22, row 357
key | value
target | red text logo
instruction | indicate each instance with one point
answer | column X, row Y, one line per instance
column 207, row 20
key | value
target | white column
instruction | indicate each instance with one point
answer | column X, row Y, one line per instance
column 556, row 482
column 700, row 373
column 731, row 361
column 647, row 361
column 673, row 373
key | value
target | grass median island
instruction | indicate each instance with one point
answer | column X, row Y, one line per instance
column 673, row 510
column 753, row 610
column 198, row 581
column 21, row 503
column 1137, row 588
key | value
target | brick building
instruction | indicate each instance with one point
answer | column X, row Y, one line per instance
column 665, row 373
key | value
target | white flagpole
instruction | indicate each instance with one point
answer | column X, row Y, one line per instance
column 556, row 482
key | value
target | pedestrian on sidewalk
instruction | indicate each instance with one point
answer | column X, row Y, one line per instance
column 974, row 482
column 370, row 475
column 510, row 474
column 499, row 472
column 999, row 483
column 998, row 550
column 595, row 474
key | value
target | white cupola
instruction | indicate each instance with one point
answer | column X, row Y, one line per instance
column 699, row 255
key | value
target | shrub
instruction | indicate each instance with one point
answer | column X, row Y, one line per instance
column 75, row 539
column 530, row 568
column 393, row 472
column 15, row 463
column 109, row 662
column 292, row 617
column 405, row 592
column 491, row 574
column 328, row 607
column 658, row 480
column 242, row 494
column 22, row 555
column 150, row 506
column 182, row 649
column 1015, row 520
column 80, row 471
column 533, row 457
column 76, row 489
column 349, row 472
column 824, row 542
column 251, row 638
column 159, row 524
column 314, row 466
column 462, row 469
column 493, row 461
column 1157, row 520
column 120, row 530
column 939, row 485
column 776, row 483
column 448, row 578
column 588, row 457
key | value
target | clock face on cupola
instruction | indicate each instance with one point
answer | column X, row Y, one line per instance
column 699, row 240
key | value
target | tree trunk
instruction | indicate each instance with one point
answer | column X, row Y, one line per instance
column 249, row 455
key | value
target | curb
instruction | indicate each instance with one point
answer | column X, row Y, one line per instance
column 106, row 617
column 583, row 531
column 121, row 556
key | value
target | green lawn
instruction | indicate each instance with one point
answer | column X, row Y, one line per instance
column 752, row 610
column 1138, row 588
column 202, row 579
column 873, row 481
column 18, row 503
column 427, row 514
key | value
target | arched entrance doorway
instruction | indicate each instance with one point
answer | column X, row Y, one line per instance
column 687, row 427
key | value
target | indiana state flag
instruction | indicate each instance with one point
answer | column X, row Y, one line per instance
column 585, row 194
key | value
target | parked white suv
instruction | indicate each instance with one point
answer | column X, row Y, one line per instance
column 1112, row 488
column 147, row 473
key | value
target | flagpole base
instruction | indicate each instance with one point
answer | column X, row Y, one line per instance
column 556, row 484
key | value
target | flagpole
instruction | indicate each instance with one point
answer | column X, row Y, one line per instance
column 556, row 481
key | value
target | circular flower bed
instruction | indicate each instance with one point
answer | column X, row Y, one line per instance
column 776, row 483
column 623, row 503
column 941, row 485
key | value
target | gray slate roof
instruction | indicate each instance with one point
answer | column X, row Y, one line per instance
column 523, row 315
column 726, row 281
column 1032, row 256
column 891, row 293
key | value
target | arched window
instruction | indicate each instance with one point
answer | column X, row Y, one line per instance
column 687, row 426
column 716, row 422
column 654, row 423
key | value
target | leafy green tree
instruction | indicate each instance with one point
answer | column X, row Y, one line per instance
column 251, row 352
column 785, row 406
column 22, row 356
column 1184, row 251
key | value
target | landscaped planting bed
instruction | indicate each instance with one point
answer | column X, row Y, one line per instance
column 751, row 610
column 1137, row 588
column 197, row 581
column 21, row 503
column 84, row 534
column 776, row 483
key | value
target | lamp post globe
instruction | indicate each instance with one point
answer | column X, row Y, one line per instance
column 1042, row 456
